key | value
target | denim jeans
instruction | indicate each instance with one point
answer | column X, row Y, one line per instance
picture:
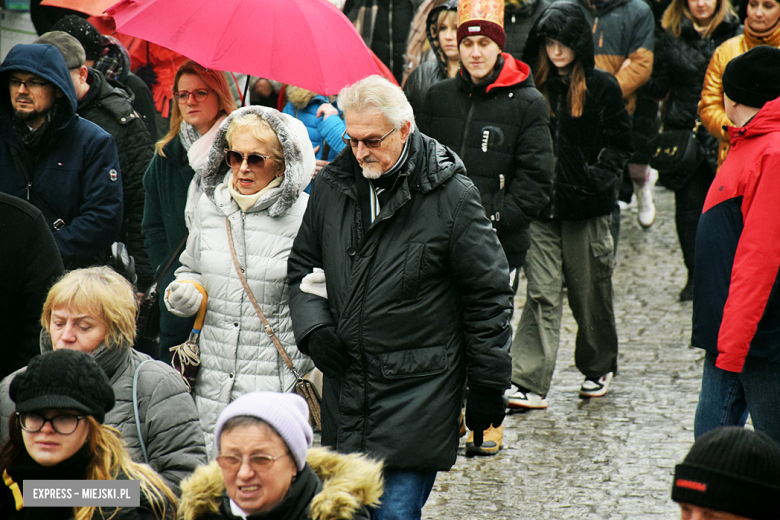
column 405, row 495
column 727, row 397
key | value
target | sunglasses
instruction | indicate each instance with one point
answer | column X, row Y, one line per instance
column 258, row 463
column 254, row 161
column 200, row 95
column 63, row 424
column 373, row 142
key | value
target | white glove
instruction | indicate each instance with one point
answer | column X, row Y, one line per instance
column 183, row 299
column 314, row 283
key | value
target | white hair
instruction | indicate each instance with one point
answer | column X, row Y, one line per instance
column 376, row 93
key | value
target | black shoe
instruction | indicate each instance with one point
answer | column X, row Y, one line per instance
column 686, row 294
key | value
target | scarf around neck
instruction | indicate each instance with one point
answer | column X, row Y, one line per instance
column 245, row 202
column 198, row 146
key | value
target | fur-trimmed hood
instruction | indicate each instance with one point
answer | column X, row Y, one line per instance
column 349, row 483
column 298, row 157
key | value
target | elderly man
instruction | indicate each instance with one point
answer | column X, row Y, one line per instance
column 418, row 297
column 64, row 165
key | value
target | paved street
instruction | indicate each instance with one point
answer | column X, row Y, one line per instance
column 609, row 458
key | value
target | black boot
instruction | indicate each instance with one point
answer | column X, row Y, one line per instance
column 686, row 294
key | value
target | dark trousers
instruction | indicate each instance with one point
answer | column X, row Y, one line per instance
column 689, row 201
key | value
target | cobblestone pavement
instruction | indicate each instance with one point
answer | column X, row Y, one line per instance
column 608, row 458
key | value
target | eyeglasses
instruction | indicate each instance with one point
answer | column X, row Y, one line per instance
column 258, row 463
column 374, row 142
column 254, row 161
column 64, row 424
column 33, row 85
column 200, row 95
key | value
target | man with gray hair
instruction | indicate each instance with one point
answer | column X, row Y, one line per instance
column 417, row 297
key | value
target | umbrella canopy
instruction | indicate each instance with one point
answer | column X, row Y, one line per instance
column 306, row 43
column 90, row 7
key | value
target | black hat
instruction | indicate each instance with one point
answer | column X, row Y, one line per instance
column 753, row 78
column 63, row 379
column 733, row 470
column 84, row 32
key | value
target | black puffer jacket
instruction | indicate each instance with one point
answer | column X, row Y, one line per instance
column 681, row 63
column 421, row 300
column 591, row 149
column 433, row 71
column 111, row 108
column 500, row 129
column 519, row 17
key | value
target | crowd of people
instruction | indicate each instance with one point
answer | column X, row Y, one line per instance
column 376, row 237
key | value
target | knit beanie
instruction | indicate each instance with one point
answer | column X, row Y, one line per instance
column 288, row 414
column 84, row 32
column 733, row 470
column 481, row 18
column 66, row 379
column 753, row 78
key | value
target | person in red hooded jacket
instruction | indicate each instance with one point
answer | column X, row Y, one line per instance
column 736, row 309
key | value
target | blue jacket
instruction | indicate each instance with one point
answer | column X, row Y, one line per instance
column 74, row 170
column 329, row 130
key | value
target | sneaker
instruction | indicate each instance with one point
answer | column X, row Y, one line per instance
column 644, row 200
column 491, row 442
column 596, row 387
column 520, row 398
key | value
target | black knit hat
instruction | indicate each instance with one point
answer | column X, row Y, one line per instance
column 63, row 379
column 733, row 470
column 753, row 78
column 84, row 32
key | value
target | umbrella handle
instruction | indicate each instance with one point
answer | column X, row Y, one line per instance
column 201, row 316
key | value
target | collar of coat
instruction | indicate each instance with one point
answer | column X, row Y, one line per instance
column 349, row 483
column 511, row 72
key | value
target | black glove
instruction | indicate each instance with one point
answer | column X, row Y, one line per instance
column 326, row 350
column 484, row 407
column 147, row 75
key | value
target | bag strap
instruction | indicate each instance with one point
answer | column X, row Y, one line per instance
column 266, row 325
column 135, row 411
column 172, row 259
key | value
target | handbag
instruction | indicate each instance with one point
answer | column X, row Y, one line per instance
column 148, row 322
column 304, row 386
column 676, row 156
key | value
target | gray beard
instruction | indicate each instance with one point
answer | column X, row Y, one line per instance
column 371, row 174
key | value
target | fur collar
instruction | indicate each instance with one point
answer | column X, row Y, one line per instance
column 349, row 482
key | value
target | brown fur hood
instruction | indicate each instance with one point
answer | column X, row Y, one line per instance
column 349, row 482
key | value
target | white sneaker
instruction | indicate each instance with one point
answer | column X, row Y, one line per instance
column 522, row 399
column 596, row 387
column 644, row 200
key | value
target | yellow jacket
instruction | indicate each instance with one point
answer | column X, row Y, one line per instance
column 711, row 110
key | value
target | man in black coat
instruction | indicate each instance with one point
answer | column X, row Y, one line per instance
column 111, row 108
column 29, row 264
column 418, row 297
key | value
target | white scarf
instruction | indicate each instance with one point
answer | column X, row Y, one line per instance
column 247, row 201
column 198, row 154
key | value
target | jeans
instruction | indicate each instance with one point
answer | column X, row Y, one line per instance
column 405, row 495
column 727, row 397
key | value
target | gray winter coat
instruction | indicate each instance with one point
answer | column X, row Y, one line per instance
column 236, row 354
column 169, row 420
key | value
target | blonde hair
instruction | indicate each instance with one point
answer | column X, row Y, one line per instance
column 578, row 88
column 100, row 292
column 678, row 9
column 214, row 80
column 261, row 130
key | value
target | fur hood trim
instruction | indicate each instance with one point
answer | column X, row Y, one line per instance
column 349, row 482
column 298, row 157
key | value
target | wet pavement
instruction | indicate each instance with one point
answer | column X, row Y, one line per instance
column 608, row 458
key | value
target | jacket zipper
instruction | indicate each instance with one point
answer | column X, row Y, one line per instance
column 466, row 128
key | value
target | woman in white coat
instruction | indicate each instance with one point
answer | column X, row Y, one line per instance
column 259, row 164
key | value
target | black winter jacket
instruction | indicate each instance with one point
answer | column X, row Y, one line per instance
column 110, row 106
column 592, row 149
column 500, row 129
column 421, row 300
column 519, row 17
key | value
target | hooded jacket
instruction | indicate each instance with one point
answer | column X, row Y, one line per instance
column 75, row 169
column 431, row 71
column 592, row 149
column 236, row 355
column 303, row 105
column 501, row 131
column 713, row 114
column 347, row 485
column 420, row 300
column 111, row 108
column 736, row 309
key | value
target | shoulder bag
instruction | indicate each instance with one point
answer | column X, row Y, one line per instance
column 304, row 386
column 135, row 411
column 676, row 156
column 148, row 322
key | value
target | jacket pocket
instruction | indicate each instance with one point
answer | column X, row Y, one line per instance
column 413, row 268
column 417, row 362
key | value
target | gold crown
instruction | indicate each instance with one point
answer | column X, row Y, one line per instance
column 490, row 10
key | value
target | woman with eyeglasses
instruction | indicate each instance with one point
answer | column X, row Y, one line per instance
column 202, row 100
column 264, row 467
column 57, row 433
column 252, row 204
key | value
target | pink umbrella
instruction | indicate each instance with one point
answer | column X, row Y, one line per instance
column 307, row 43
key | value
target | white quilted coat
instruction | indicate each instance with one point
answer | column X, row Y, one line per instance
column 237, row 356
